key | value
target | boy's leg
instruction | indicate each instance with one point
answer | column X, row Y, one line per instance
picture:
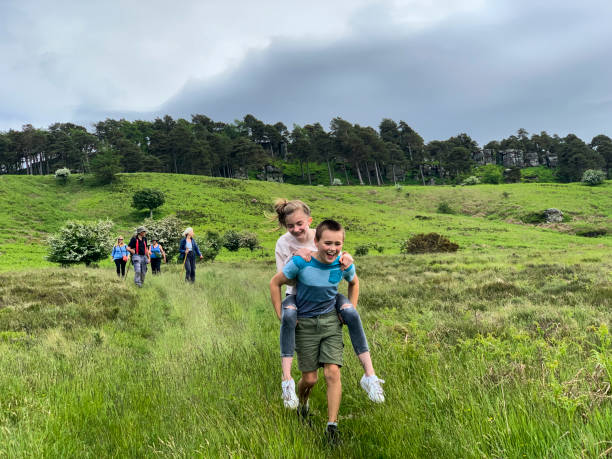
column 334, row 390
column 305, row 385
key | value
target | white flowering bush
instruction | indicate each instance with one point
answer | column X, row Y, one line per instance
column 62, row 175
column 78, row 242
column 593, row 177
column 471, row 180
column 168, row 231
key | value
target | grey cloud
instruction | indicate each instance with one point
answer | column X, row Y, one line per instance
column 486, row 75
column 485, row 71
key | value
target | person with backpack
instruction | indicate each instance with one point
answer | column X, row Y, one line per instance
column 120, row 256
column 157, row 253
column 141, row 255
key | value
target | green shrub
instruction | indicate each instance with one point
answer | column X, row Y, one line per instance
column 428, row 243
column 168, row 231
column 592, row 232
column 534, row 218
column 445, row 208
column 593, row 177
column 231, row 240
column 78, row 242
column 491, row 174
column 377, row 247
column 512, row 175
column 361, row 250
column 249, row 240
column 539, row 174
column 211, row 246
column 148, row 198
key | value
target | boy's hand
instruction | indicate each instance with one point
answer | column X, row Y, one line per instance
column 275, row 292
column 305, row 253
column 345, row 260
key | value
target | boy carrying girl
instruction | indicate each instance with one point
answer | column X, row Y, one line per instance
column 318, row 334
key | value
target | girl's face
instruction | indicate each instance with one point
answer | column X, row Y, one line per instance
column 298, row 224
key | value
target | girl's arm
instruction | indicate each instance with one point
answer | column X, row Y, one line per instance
column 275, row 291
column 282, row 257
column 305, row 253
column 353, row 291
column 163, row 253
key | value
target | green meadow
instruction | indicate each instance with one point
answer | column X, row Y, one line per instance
column 502, row 349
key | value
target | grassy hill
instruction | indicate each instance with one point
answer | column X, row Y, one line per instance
column 502, row 349
column 484, row 215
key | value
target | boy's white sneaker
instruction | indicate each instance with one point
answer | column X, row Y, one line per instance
column 372, row 386
column 290, row 399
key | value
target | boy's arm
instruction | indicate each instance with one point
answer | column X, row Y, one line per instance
column 275, row 292
column 346, row 260
column 353, row 290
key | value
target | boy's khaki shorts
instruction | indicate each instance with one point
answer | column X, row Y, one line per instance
column 318, row 340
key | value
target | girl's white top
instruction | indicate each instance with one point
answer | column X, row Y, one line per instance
column 286, row 245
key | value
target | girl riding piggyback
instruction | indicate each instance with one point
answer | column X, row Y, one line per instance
column 299, row 240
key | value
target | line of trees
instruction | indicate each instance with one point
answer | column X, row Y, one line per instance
column 360, row 154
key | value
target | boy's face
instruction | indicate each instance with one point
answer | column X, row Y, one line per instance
column 329, row 245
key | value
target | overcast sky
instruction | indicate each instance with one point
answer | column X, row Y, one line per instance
column 484, row 67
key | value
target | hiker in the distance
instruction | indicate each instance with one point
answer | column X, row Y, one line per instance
column 141, row 255
column 157, row 254
column 188, row 250
column 120, row 256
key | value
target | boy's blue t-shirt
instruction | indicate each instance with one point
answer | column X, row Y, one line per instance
column 317, row 284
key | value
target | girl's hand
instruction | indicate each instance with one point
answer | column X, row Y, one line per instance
column 345, row 260
column 305, row 253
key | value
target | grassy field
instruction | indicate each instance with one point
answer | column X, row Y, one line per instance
column 502, row 349
column 483, row 357
column 485, row 216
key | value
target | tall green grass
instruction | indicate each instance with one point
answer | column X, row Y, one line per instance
column 496, row 354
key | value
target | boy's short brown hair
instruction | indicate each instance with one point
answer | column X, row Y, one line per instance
column 331, row 225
